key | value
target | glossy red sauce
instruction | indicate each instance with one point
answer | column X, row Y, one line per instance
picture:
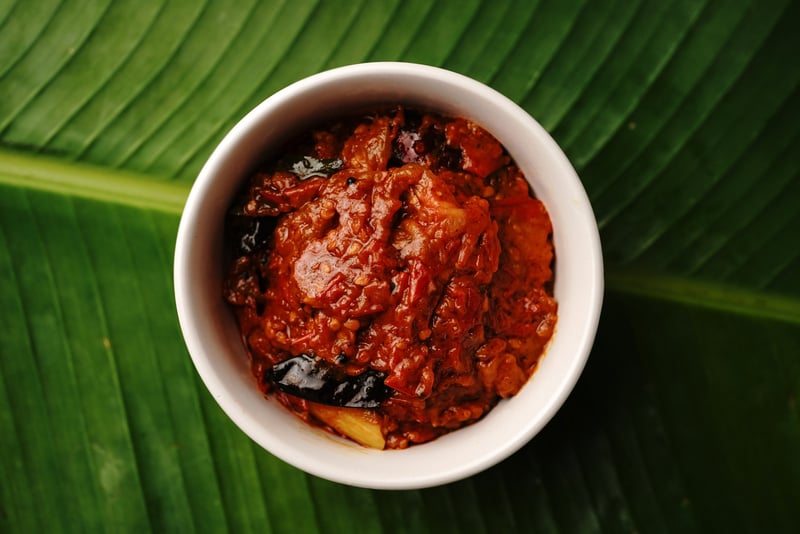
column 408, row 244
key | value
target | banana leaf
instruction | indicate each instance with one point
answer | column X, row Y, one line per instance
column 683, row 121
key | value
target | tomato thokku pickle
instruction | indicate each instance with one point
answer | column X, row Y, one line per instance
column 392, row 276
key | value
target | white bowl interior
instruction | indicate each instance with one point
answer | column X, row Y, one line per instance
column 212, row 336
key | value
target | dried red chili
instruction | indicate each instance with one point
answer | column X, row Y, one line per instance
column 399, row 259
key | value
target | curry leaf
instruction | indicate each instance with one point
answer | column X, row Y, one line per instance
column 683, row 120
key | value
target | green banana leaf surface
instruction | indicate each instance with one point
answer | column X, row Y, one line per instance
column 682, row 119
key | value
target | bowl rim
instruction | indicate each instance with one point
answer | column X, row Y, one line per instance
column 581, row 216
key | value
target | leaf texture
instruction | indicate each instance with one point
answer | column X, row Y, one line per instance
column 681, row 118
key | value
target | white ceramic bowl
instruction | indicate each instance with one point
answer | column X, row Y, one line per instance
column 211, row 333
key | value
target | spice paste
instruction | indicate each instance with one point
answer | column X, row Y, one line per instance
column 397, row 264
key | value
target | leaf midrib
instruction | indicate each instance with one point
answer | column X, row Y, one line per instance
column 93, row 182
column 45, row 173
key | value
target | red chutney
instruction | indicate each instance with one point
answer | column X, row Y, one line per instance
column 403, row 246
